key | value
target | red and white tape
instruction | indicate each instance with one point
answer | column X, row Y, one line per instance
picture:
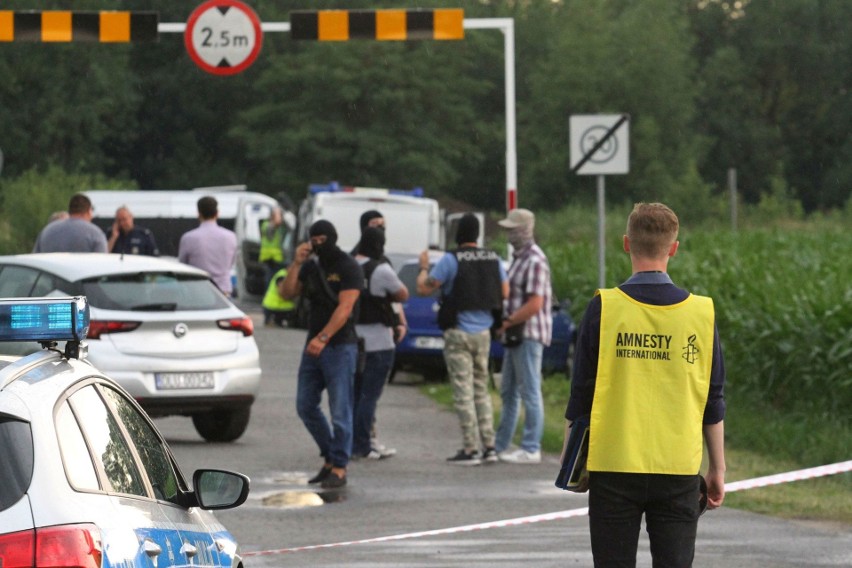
column 798, row 475
column 777, row 479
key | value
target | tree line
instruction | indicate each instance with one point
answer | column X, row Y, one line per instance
column 710, row 85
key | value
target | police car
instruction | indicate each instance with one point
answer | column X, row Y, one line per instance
column 86, row 480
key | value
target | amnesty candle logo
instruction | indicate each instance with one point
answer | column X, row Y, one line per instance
column 690, row 352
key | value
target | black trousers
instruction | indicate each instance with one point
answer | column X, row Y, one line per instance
column 617, row 502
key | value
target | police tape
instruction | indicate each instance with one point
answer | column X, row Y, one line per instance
column 777, row 479
column 798, row 475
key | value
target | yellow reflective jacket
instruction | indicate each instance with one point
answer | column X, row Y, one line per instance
column 272, row 300
column 652, row 385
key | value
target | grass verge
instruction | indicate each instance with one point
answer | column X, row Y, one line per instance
column 822, row 499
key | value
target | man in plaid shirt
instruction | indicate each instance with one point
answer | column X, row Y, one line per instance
column 529, row 308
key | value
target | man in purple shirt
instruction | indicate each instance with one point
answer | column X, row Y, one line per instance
column 210, row 247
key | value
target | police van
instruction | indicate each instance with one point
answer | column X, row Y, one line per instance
column 86, row 479
column 413, row 222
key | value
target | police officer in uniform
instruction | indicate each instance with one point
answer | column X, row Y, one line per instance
column 473, row 284
column 126, row 238
column 271, row 253
column 649, row 370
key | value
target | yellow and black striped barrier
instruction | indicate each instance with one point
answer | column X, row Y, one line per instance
column 58, row 26
column 386, row 25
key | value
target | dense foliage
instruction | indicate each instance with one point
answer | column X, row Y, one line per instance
column 762, row 87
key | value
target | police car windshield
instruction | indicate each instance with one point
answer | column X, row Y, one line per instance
column 153, row 291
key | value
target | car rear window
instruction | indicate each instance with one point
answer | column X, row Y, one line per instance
column 16, row 465
column 153, row 291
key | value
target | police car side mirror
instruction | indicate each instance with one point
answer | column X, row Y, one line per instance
column 218, row 489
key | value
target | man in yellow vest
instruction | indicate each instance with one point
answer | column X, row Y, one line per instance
column 271, row 243
column 277, row 310
column 650, row 373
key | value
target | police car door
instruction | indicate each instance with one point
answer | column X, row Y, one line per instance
column 133, row 528
column 187, row 532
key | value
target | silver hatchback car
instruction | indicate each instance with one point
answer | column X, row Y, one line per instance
column 159, row 328
column 86, row 480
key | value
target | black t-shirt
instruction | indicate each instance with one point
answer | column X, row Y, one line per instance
column 344, row 273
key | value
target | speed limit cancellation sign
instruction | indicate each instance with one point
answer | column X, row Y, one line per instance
column 223, row 37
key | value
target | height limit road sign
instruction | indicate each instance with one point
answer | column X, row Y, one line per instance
column 600, row 144
column 223, row 37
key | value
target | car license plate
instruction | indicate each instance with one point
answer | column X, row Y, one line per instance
column 171, row 381
column 427, row 342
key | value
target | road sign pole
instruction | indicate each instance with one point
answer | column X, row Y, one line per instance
column 601, row 233
column 507, row 27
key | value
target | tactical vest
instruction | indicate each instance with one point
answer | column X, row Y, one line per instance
column 374, row 309
column 652, row 385
column 477, row 285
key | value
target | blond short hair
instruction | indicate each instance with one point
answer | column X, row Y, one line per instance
column 652, row 229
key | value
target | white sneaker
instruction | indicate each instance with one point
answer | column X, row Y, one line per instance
column 383, row 450
column 520, row 456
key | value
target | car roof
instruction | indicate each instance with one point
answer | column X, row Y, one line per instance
column 75, row 266
column 434, row 256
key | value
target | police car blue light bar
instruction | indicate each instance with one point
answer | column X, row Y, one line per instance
column 44, row 319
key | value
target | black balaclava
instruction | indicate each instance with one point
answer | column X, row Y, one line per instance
column 372, row 243
column 368, row 216
column 326, row 251
column 468, row 229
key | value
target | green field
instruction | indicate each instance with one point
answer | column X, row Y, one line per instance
column 783, row 298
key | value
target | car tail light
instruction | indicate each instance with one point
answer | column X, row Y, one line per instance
column 17, row 550
column 65, row 546
column 97, row 328
column 243, row 324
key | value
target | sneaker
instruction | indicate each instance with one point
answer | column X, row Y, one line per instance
column 520, row 456
column 373, row 454
column 490, row 455
column 321, row 476
column 382, row 449
column 464, row 458
column 333, row 481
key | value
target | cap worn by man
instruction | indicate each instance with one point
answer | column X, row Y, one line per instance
column 518, row 218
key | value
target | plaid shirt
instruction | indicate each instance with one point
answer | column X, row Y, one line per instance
column 530, row 274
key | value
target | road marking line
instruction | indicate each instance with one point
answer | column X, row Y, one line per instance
column 777, row 479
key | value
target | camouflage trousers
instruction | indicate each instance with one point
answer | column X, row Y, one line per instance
column 466, row 355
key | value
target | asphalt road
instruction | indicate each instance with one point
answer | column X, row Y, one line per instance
column 491, row 511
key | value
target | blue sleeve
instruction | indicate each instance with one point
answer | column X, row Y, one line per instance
column 445, row 270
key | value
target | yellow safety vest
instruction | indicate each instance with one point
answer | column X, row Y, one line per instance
column 270, row 248
column 272, row 300
column 652, row 385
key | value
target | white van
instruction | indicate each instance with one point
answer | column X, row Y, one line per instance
column 413, row 222
column 171, row 213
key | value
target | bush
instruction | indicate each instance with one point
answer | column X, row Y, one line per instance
column 30, row 199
